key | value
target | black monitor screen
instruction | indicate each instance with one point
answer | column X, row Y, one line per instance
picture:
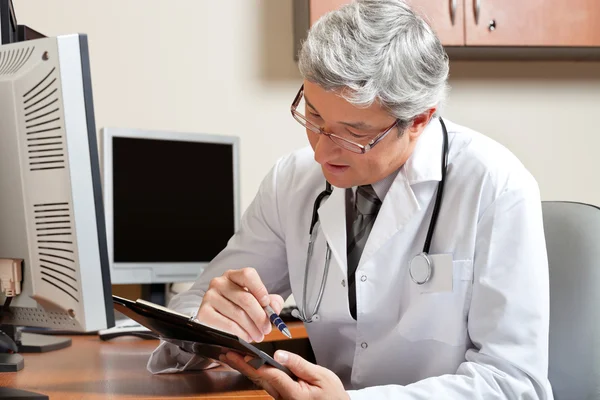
column 173, row 201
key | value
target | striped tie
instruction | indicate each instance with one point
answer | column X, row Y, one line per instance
column 366, row 207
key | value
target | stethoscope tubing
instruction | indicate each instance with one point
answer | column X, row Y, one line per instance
column 440, row 191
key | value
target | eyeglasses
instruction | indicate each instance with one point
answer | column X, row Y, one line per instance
column 340, row 141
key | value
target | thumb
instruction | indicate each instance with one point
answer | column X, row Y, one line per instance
column 299, row 366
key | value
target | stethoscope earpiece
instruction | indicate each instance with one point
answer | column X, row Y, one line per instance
column 296, row 314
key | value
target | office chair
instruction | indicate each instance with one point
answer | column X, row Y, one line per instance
column 573, row 242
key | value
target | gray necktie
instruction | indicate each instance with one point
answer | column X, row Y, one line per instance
column 366, row 207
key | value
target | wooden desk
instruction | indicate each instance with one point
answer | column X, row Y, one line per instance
column 93, row 369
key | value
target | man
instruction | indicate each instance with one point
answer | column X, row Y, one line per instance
column 410, row 309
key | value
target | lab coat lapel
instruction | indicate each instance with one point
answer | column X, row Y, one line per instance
column 332, row 215
column 399, row 206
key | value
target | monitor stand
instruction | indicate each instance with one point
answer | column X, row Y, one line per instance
column 35, row 343
column 18, row 394
column 11, row 363
column 25, row 343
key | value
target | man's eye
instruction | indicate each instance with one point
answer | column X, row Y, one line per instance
column 313, row 115
column 356, row 135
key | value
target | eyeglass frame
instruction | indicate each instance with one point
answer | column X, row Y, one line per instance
column 362, row 149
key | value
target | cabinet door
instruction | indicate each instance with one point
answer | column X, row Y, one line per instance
column 446, row 17
column 320, row 7
column 532, row 22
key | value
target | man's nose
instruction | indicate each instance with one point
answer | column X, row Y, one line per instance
column 325, row 150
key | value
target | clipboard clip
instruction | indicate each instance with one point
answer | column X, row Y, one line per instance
column 193, row 317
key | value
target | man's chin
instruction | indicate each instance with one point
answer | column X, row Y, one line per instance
column 339, row 181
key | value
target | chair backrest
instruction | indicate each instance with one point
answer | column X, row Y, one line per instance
column 573, row 241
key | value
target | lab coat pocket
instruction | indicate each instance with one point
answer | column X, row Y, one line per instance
column 440, row 316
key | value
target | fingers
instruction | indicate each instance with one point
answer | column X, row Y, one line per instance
column 248, row 303
column 240, row 363
column 234, row 302
column 246, row 311
column 276, row 302
column 248, row 278
column 236, row 316
column 262, row 377
column 211, row 317
column 303, row 369
column 281, row 383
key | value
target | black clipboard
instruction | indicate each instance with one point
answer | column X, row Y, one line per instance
column 190, row 335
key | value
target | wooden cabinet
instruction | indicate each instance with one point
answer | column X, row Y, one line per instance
column 538, row 23
column 319, row 7
column 446, row 17
column 506, row 23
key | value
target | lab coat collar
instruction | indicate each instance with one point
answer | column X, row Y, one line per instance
column 425, row 164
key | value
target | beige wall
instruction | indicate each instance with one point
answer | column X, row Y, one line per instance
column 226, row 67
column 545, row 112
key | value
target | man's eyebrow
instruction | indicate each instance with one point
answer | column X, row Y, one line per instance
column 356, row 125
column 309, row 103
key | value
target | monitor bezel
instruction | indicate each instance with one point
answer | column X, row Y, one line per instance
column 157, row 272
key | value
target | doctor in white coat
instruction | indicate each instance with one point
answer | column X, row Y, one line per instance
column 467, row 320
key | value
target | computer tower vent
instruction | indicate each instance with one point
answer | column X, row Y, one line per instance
column 40, row 317
column 12, row 60
column 45, row 141
column 55, row 249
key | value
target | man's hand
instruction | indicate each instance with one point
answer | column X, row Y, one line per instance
column 314, row 382
column 234, row 303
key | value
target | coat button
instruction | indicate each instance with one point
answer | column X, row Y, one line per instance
column 364, row 345
column 363, row 278
column 343, row 283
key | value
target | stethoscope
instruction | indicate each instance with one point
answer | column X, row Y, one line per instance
column 420, row 267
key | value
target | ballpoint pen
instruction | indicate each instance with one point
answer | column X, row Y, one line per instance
column 275, row 320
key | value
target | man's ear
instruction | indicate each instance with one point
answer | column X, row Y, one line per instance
column 420, row 122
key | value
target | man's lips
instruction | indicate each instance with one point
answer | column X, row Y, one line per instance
column 335, row 168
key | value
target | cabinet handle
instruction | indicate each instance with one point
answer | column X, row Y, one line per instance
column 476, row 10
column 453, row 11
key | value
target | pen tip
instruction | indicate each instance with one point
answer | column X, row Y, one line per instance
column 287, row 333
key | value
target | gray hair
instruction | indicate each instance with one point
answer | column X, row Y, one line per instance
column 377, row 50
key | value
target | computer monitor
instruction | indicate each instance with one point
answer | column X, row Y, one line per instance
column 171, row 200
column 51, row 212
column 8, row 23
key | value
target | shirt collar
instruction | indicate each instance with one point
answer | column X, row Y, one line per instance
column 381, row 187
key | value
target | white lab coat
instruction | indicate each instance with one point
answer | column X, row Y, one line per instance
column 487, row 339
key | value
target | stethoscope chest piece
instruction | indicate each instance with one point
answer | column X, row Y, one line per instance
column 420, row 268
